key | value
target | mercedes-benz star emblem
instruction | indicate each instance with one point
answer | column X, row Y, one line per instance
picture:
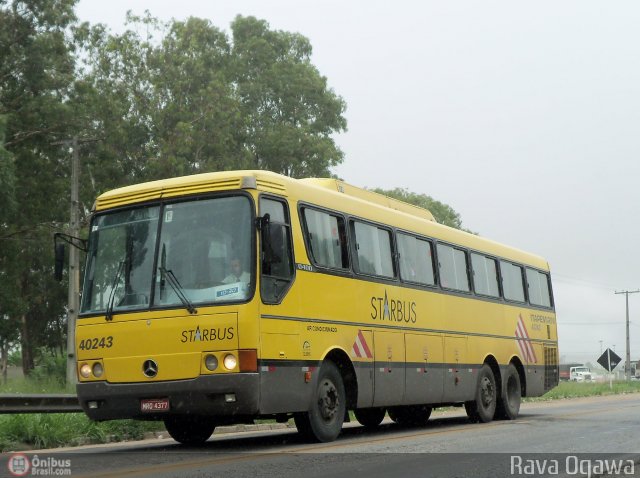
column 150, row 368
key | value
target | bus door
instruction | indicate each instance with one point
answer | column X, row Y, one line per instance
column 424, row 372
column 389, row 364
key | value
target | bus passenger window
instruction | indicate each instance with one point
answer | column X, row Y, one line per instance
column 326, row 239
column 373, row 250
column 512, row 283
column 416, row 260
column 485, row 275
column 539, row 292
column 453, row 268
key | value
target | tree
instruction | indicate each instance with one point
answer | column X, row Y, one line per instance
column 198, row 122
column 8, row 329
column 291, row 112
column 443, row 213
column 36, row 71
column 7, row 177
column 185, row 99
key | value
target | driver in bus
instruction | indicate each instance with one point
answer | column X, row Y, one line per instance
column 236, row 274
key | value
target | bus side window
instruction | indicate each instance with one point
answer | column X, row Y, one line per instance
column 276, row 251
column 326, row 239
column 539, row 290
column 416, row 260
column 485, row 275
column 512, row 281
column 373, row 250
column 453, row 267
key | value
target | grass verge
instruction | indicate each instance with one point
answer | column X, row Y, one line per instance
column 37, row 431
column 587, row 389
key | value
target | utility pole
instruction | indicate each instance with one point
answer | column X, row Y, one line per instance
column 73, row 297
column 74, row 266
column 627, row 369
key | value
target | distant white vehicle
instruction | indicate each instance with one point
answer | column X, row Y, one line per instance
column 580, row 374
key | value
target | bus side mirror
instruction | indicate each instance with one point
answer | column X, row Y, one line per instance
column 59, row 261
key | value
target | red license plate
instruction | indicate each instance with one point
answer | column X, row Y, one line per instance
column 154, row 405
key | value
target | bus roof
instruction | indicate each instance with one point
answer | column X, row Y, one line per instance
column 329, row 193
column 371, row 196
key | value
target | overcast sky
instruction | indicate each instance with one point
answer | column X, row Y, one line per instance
column 524, row 117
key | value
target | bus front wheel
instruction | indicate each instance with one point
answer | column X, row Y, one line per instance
column 323, row 421
column 189, row 430
column 483, row 408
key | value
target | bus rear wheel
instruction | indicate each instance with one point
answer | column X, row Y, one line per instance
column 411, row 415
column 370, row 417
column 508, row 406
column 483, row 408
column 189, row 430
column 323, row 421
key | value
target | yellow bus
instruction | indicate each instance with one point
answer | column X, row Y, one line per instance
column 224, row 297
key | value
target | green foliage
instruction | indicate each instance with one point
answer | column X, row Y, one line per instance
column 30, row 385
column 18, row 432
column 50, row 368
column 15, row 358
column 48, row 375
column 36, row 73
column 7, row 178
column 443, row 213
column 185, row 99
column 588, row 389
column 291, row 113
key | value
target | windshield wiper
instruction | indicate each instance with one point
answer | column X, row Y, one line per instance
column 162, row 268
column 177, row 288
column 112, row 296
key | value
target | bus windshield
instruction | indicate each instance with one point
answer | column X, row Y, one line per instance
column 202, row 254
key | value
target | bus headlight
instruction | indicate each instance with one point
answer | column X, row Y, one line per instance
column 211, row 362
column 97, row 370
column 85, row 370
column 230, row 362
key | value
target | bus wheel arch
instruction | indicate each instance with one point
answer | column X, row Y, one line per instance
column 335, row 391
column 515, row 361
column 491, row 361
column 340, row 358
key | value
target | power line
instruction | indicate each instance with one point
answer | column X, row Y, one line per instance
column 574, row 280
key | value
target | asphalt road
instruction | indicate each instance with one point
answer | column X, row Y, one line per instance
column 570, row 434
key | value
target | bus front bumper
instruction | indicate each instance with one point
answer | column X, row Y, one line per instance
column 228, row 395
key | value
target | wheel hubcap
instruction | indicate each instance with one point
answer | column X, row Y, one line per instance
column 328, row 401
column 486, row 392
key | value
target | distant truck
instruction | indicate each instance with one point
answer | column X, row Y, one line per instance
column 580, row 374
column 565, row 370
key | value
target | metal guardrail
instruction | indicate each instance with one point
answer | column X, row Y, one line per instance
column 39, row 403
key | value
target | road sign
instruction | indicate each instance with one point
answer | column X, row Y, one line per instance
column 609, row 360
